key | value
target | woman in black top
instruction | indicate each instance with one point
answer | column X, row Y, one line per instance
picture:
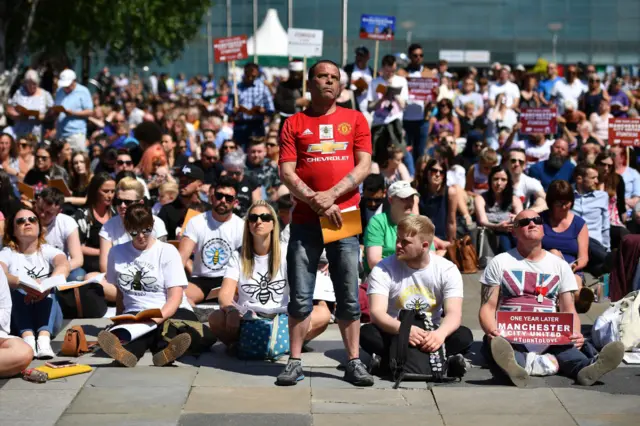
column 437, row 201
column 44, row 170
column 80, row 172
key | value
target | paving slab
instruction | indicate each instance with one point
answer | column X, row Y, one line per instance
column 243, row 376
column 369, row 401
column 33, row 407
column 332, row 378
column 273, row 399
column 246, row 419
column 376, row 419
column 150, row 418
column 624, row 380
column 65, row 383
column 140, row 377
column 607, row 420
column 501, row 400
column 129, row 400
column 587, row 403
column 558, row 419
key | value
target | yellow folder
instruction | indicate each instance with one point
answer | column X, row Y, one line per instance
column 351, row 225
column 57, row 373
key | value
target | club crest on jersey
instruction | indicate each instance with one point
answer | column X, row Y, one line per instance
column 344, row 129
column 328, row 147
column 326, row 131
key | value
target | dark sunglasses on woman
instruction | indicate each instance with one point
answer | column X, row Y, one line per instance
column 23, row 220
column 521, row 223
column 265, row 217
column 144, row 232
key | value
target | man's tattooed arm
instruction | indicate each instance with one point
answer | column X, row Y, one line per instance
column 355, row 176
column 485, row 293
column 292, row 181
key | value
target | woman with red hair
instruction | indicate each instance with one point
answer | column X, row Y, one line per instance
column 154, row 169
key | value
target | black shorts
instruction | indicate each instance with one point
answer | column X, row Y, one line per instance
column 206, row 284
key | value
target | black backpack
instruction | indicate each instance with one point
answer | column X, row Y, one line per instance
column 410, row 363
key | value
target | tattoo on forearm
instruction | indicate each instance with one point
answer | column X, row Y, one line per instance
column 346, row 184
column 485, row 294
column 302, row 187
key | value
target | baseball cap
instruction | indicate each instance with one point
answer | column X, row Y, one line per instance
column 401, row 189
column 296, row 66
column 520, row 67
column 192, row 172
column 66, row 78
column 362, row 50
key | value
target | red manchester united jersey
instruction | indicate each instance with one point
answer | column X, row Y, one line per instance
column 324, row 149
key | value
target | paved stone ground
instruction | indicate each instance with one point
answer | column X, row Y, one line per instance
column 216, row 389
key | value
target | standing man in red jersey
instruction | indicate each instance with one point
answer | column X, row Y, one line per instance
column 325, row 153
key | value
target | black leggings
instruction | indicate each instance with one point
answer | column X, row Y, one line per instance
column 375, row 341
column 155, row 342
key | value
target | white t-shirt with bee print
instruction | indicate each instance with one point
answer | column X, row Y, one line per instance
column 215, row 243
column 145, row 276
column 261, row 292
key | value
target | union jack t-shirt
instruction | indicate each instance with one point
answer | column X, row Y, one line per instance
column 521, row 281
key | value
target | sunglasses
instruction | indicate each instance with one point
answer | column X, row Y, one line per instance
column 271, row 144
column 124, row 163
column 515, row 160
column 374, row 200
column 144, row 232
column 521, row 223
column 228, row 147
column 211, row 158
column 42, row 157
column 228, row 198
column 24, row 145
column 234, row 173
column 264, row 217
column 436, row 171
column 23, row 220
column 417, row 55
column 127, row 203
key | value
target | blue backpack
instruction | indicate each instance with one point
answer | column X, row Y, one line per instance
column 263, row 338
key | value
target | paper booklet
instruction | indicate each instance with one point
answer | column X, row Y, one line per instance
column 351, row 225
column 390, row 91
column 28, row 112
column 45, row 285
column 142, row 316
column 136, row 329
column 73, row 284
column 60, row 185
column 631, row 358
column 27, row 190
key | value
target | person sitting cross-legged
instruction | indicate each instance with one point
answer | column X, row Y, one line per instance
column 148, row 274
column 413, row 278
column 530, row 279
column 258, row 274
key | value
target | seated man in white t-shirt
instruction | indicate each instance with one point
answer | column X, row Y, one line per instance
column 62, row 230
column 530, row 279
column 528, row 189
column 212, row 237
column 414, row 279
column 15, row 353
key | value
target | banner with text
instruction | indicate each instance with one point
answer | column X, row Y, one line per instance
column 228, row 49
column 624, row 131
column 536, row 327
column 377, row 27
column 423, row 89
column 539, row 120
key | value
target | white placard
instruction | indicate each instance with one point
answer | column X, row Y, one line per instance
column 303, row 42
column 451, row 55
column 477, row 56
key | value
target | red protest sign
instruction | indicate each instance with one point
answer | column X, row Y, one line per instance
column 423, row 89
column 624, row 131
column 536, row 327
column 230, row 48
column 539, row 120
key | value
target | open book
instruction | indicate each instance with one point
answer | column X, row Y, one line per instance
column 73, row 284
column 60, row 185
column 28, row 112
column 252, row 111
column 351, row 225
column 43, row 286
column 631, row 358
column 27, row 190
column 389, row 91
column 135, row 330
column 143, row 316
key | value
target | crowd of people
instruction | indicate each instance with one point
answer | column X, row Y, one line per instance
column 100, row 180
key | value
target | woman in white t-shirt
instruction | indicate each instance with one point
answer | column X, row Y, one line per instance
column 27, row 256
column 259, row 276
column 129, row 191
column 148, row 274
column 15, row 354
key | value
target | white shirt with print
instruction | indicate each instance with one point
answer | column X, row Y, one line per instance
column 261, row 292
column 37, row 265
column 423, row 289
column 522, row 280
column 144, row 277
column 113, row 230
column 510, row 90
column 526, row 189
column 215, row 243
column 59, row 230
column 384, row 114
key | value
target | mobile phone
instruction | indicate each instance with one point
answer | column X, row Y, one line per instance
column 60, row 364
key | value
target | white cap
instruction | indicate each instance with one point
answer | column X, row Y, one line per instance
column 520, row 67
column 66, row 78
column 401, row 189
column 296, row 66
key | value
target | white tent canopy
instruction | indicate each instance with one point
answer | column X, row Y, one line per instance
column 271, row 38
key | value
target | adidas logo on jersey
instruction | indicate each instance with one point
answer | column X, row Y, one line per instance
column 307, row 132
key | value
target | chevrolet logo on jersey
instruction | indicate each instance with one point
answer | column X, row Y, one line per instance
column 328, row 147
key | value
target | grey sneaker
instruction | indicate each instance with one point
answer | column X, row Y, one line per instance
column 504, row 356
column 292, row 373
column 356, row 373
column 608, row 360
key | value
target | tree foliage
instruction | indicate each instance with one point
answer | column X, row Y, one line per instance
column 142, row 31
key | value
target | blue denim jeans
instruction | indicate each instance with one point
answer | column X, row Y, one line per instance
column 44, row 315
column 305, row 248
column 505, row 242
column 416, row 134
column 570, row 359
column 77, row 274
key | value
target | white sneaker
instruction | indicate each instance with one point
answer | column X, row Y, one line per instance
column 44, row 348
column 31, row 341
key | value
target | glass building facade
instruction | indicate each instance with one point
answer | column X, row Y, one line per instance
column 513, row 31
